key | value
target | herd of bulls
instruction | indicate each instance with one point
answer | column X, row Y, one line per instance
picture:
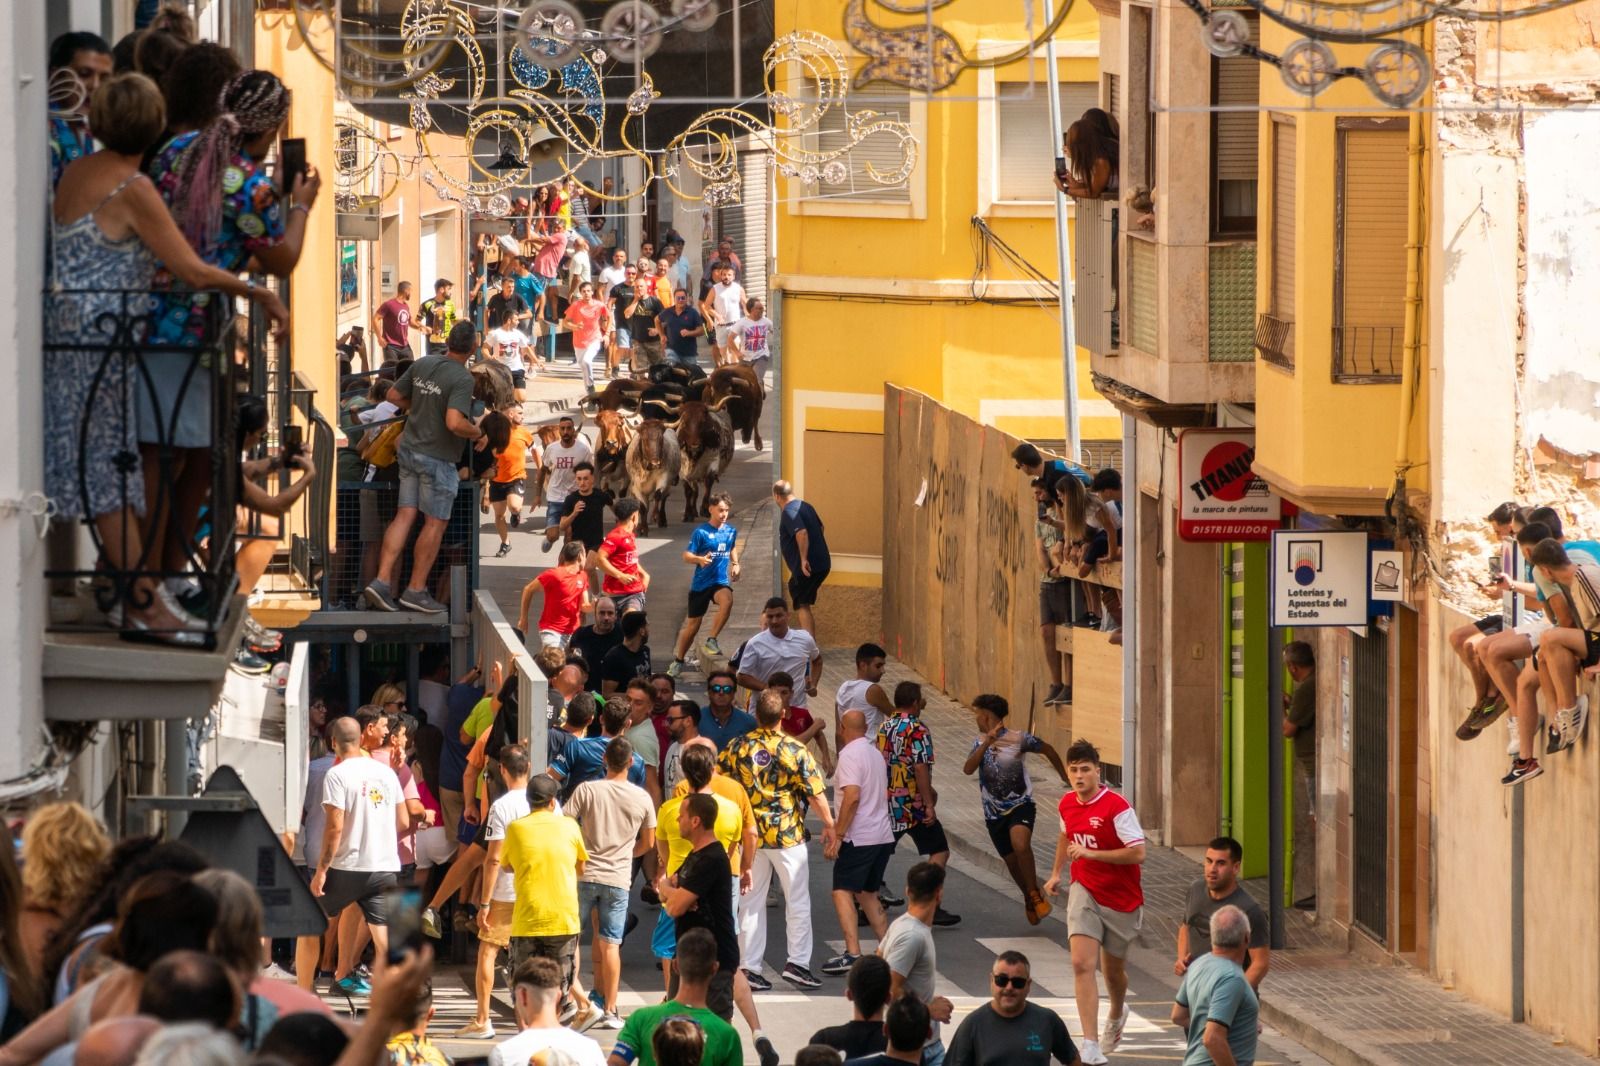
column 677, row 426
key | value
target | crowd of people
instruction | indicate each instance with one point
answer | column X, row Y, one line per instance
column 1551, row 626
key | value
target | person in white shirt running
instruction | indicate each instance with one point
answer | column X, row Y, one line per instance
column 558, row 460
column 359, row 858
column 723, row 306
column 752, row 335
column 535, row 993
column 779, row 648
column 863, row 692
column 507, row 344
column 614, row 274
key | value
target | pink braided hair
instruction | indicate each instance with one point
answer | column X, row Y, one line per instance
column 251, row 104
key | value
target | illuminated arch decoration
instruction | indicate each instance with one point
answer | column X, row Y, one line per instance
column 922, row 58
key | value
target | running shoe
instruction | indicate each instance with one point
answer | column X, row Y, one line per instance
column 887, row 897
column 248, row 662
column 1522, row 770
column 944, row 919
column 1089, row 1053
column 711, row 648
column 675, row 668
column 569, row 1010
column 1054, row 695
column 505, row 550
column 420, row 600
column 758, row 983
column 274, row 972
column 1114, row 1027
column 608, row 1020
column 474, row 1031
column 352, row 985
column 546, row 542
column 515, row 519
column 766, row 1052
column 1580, row 719
column 379, row 596
column 430, row 923
column 840, row 963
column 259, row 639
column 1555, row 736
column 1037, row 908
column 800, row 977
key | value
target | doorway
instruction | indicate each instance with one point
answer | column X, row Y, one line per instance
column 1369, row 781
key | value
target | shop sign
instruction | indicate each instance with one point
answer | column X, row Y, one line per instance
column 1221, row 497
column 1319, row 579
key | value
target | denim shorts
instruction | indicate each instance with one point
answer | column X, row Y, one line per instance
column 426, row 483
column 624, row 337
column 612, row 904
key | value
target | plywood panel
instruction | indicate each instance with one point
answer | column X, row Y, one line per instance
column 838, row 465
column 1097, row 692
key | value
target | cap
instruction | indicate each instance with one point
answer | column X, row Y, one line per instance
column 542, row 788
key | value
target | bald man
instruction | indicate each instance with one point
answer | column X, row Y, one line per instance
column 864, row 839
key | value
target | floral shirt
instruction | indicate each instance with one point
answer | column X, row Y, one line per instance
column 780, row 775
column 252, row 221
column 68, row 141
column 408, row 1049
column 906, row 744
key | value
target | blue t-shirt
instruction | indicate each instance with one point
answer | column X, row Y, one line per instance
column 1214, row 990
column 585, row 760
column 739, row 723
column 717, row 542
column 798, row 515
column 452, row 753
column 529, row 286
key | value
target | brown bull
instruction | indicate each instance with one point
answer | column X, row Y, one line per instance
column 612, row 437
column 620, row 394
column 742, row 389
column 652, row 465
column 705, row 440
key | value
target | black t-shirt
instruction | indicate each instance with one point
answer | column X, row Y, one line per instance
column 589, row 528
column 1032, row 1038
column 708, row 874
column 853, row 1039
column 621, row 296
column 621, row 665
column 593, row 647
column 1199, row 907
column 499, row 304
column 644, row 319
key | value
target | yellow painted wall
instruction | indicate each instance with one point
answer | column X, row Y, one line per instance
column 1303, row 418
column 843, row 338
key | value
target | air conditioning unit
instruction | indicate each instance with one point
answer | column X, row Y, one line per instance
column 362, row 223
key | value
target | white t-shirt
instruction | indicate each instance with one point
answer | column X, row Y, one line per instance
column 511, row 342
column 502, row 812
column 765, row 655
column 728, row 299
column 520, row 1048
column 609, row 276
column 368, row 792
column 578, row 268
column 861, row 764
column 559, row 461
column 852, row 696
column 753, row 334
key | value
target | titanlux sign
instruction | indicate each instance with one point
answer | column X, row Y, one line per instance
column 1222, row 499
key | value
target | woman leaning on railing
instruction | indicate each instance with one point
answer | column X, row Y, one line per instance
column 109, row 230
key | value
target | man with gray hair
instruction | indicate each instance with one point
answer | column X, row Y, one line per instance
column 1215, row 1004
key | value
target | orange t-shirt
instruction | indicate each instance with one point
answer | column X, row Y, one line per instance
column 512, row 464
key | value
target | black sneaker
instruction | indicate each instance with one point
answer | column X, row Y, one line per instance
column 800, row 977
column 758, row 983
column 516, row 519
column 887, row 897
column 944, row 918
column 1521, row 770
column 767, row 1053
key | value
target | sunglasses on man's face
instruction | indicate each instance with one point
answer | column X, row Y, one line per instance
column 1003, row 980
column 719, row 688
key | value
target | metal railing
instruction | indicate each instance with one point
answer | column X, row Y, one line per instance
column 1366, row 355
column 1275, row 340
column 141, row 447
column 308, row 544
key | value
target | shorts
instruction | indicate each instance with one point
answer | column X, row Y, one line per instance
column 427, row 483
column 499, row 490
column 1533, row 629
column 1099, row 546
column 549, row 638
column 664, row 941
column 646, row 353
column 366, row 888
column 519, row 379
column 563, row 949
column 1115, row 930
column 1055, row 602
column 928, row 837
column 1000, row 828
column 499, row 932
column 633, row 601
column 470, row 833
column 434, row 847
column 719, row 997
column 803, row 590
column 451, row 803
column 393, row 353
column 1490, row 623
column 722, row 335
column 610, row 903
column 700, row 601
column 622, row 337
column 860, row 867
column 1591, row 654
column 553, row 510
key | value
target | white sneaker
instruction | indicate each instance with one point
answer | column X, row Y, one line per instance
column 1090, row 1054
column 1514, row 745
column 274, row 972
column 1114, row 1027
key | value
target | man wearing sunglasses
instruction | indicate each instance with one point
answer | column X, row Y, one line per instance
column 1008, row 1029
column 722, row 721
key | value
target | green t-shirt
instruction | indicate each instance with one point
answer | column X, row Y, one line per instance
column 435, row 385
column 723, row 1047
column 1214, row 990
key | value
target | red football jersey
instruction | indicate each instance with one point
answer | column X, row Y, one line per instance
column 1105, row 823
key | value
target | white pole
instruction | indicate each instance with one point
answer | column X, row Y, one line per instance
column 1069, row 341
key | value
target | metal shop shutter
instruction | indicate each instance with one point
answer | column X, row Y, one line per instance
column 746, row 222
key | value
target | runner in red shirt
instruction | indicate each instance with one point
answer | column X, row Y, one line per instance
column 566, row 599
column 1105, row 905
column 624, row 579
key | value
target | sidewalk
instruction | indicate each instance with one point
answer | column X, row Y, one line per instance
column 1351, row 1012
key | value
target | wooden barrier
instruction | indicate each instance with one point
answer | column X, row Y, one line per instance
column 961, row 575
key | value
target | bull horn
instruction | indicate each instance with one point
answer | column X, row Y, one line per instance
column 583, row 404
column 720, row 404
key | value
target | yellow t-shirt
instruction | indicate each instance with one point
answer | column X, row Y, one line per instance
column 728, row 829
column 727, row 788
column 543, row 850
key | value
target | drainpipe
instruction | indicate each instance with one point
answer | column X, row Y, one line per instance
column 1413, row 320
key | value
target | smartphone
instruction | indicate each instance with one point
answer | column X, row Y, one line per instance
column 294, row 442
column 403, row 905
column 291, row 162
column 1061, row 168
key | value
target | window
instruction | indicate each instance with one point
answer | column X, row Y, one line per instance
column 1235, row 84
column 882, row 151
column 1027, row 147
column 1275, row 328
column 1369, row 273
column 1139, row 139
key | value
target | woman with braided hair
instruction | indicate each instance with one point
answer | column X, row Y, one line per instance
column 232, row 214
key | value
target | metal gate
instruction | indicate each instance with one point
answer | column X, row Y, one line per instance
column 1369, row 780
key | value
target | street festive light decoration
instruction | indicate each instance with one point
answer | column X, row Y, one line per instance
column 558, row 107
column 923, row 58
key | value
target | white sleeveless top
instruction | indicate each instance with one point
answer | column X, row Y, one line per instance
column 852, row 696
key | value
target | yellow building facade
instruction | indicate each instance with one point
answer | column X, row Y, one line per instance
column 907, row 285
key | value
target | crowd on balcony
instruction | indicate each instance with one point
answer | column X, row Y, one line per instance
column 1543, row 650
column 161, row 204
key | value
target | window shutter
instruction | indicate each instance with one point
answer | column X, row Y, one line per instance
column 1026, row 145
column 1238, row 85
column 1372, row 260
column 1113, row 94
column 881, row 150
column 1283, row 221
